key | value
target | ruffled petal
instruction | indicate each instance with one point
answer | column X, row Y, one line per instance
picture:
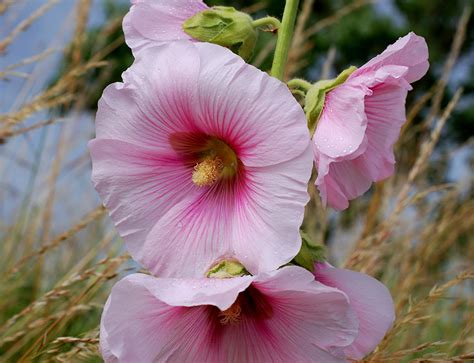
column 140, row 325
column 269, row 212
column 346, row 178
column 371, row 301
column 343, row 181
column 156, row 99
column 288, row 315
column 410, row 51
column 104, row 340
column 252, row 111
column 316, row 310
column 151, row 22
column 306, row 319
column 385, row 109
column 341, row 127
column 137, row 185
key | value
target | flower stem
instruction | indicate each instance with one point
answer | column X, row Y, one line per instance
column 268, row 21
column 285, row 34
column 297, row 83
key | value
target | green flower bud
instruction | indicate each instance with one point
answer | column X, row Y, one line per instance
column 309, row 254
column 224, row 26
column 314, row 101
column 226, row 269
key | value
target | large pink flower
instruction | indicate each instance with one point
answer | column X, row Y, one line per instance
column 200, row 156
column 370, row 300
column 280, row 316
column 155, row 21
column 361, row 120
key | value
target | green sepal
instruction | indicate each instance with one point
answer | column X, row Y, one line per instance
column 223, row 25
column 227, row 269
column 316, row 95
column 310, row 253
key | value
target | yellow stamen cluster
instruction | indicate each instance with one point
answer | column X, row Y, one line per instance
column 232, row 315
column 207, row 172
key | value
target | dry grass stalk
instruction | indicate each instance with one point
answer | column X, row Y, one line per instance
column 4, row 134
column 70, row 293
column 90, row 217
column 425, row 153
column 412, row 316
column 4, row 5
column 26, row 61
column 4, row 43
column 449, row 64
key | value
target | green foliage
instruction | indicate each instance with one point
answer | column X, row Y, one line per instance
column 310, row 253
column 316, row 96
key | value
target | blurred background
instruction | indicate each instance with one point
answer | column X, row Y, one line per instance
column 59, row 253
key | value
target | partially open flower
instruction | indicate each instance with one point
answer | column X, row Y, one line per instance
column 281, row 316
column 370, row 300
column 361, row 120
column 200, row 156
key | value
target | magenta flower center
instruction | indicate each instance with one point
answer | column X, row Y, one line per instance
column 212, row 159
column 250, row 304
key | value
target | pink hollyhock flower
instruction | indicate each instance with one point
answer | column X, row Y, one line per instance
column 154, row 21
column 370, row 300
column 200, row 156
column 283, row 315
column 361, row 121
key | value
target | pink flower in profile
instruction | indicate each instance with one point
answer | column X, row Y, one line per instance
column 361, row 121
column 370, row 300
column 200, row 156
column 280, row 316
column 150, row 22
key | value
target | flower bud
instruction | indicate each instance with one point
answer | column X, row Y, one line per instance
column 227, row 269
column 224, row 26
column 316, row 95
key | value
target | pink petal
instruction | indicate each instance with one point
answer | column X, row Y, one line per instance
column 192, row 236
column 139, row 324
column 104, row 341
column 253, row 112
column 341, row 180
column 151, row 22
column 155, row 100
column 385, row 110
column 137, row 185
column 303, row 316
column 410, row 51
column 341, row 127
column 308, row 308
column 371, row 301
column 273, row 194
column 201, row 90
column 256, row 222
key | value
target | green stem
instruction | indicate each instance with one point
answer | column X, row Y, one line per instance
column 297, row 83
column 269, row 21
column 285, row 34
